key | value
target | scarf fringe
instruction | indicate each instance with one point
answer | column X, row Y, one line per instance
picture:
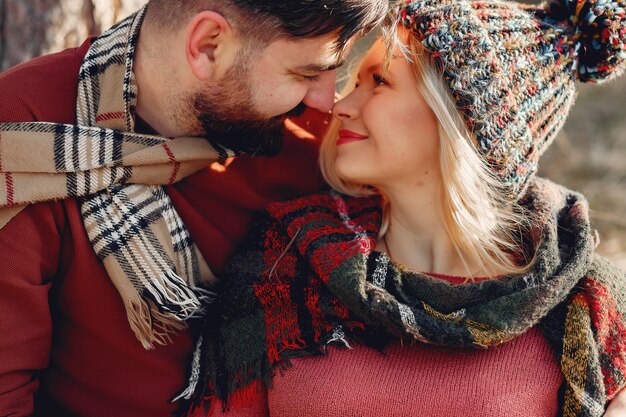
column 204, row 408
column 194, row 377
column 173, row 302
column 175, row 296
column 149, row 325
column 241, row 398
column 245, row 395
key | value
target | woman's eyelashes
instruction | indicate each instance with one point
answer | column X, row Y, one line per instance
column 376, row 78
column 379, row 79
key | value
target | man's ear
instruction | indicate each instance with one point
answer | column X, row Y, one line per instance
column 209, row 44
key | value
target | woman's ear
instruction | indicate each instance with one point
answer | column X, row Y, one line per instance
column 209, row 44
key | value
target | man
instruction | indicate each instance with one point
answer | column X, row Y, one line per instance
column 96, row 288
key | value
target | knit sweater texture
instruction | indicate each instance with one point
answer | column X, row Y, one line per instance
column 516, row 379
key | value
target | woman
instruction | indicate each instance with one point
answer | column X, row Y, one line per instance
column 476, row 279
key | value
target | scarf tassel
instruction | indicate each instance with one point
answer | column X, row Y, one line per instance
column 149, row 325
column 175, row 296
column 194, row 377
column 237, row 402
column 178, row 302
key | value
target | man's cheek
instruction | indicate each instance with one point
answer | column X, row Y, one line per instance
column 276, row 99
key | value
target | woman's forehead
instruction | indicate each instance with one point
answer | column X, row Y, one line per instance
column 378, row 58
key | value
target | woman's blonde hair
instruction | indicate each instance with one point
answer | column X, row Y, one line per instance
column 485, row 228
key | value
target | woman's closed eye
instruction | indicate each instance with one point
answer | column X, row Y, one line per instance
column 379, row 79
column 376, row 78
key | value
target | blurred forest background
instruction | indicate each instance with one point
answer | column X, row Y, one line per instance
column 588, row 156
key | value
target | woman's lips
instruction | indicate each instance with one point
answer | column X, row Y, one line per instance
column 347, row 136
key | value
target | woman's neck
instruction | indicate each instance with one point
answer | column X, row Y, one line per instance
column 417, row 237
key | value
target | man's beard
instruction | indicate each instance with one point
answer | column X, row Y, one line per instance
column 229, row 120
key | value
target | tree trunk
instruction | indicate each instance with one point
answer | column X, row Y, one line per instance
column 24, row 29
column 1, row 32
column 29, row 28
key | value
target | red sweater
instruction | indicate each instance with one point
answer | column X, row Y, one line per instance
column 65, row 344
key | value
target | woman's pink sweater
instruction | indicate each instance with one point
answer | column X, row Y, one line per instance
column 518, row 378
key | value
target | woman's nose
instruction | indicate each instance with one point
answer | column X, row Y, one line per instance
column 345, row 108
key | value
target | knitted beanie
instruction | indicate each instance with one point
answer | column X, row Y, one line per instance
column 511, row 68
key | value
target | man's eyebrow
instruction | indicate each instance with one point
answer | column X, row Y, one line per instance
column 321, row 67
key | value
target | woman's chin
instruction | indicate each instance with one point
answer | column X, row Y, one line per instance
column 350, row 171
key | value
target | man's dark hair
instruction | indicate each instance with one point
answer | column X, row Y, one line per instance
column 267, row 20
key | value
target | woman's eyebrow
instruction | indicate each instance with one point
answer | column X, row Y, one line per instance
column 372, row 68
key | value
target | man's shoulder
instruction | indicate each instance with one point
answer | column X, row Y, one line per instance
column 42, row 89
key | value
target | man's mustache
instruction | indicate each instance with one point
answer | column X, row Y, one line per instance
column 296, row 111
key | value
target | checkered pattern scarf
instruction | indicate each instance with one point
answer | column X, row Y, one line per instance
column 310, row 276
column 118, row 177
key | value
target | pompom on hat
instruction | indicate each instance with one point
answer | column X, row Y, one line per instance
column 512, row 68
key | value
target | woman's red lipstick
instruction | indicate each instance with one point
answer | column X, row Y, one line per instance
column 347, row 136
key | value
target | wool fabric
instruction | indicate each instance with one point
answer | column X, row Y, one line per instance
column 311, row 276
column 511, row 68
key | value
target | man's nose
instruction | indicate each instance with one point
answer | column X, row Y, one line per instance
column 321, row 95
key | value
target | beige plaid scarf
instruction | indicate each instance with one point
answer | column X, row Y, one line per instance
column 118, row 177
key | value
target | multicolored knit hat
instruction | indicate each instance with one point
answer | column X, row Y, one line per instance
column 511, row 68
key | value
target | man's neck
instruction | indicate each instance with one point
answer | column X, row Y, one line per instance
column 152, row 107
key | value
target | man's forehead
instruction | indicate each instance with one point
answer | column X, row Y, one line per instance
column 317, row 54
column 321, row 66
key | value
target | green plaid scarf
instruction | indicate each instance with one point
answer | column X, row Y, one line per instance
column 311, row 277
column 118, row 176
